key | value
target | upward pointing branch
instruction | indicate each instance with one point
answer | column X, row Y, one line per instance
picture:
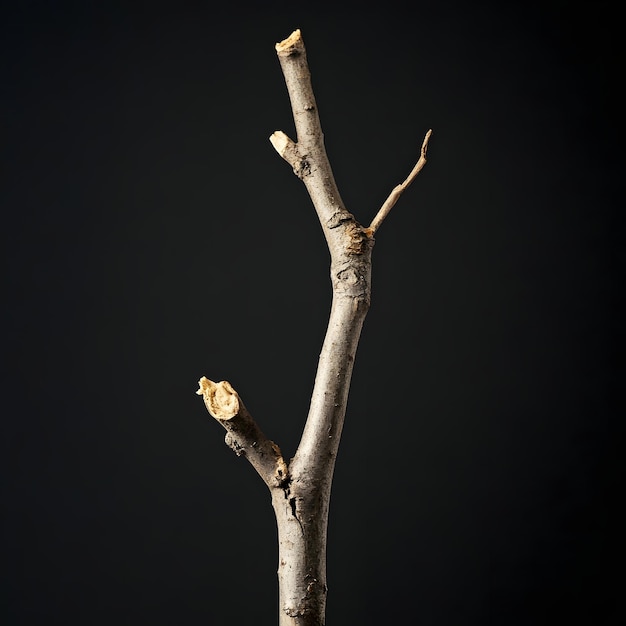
column 307, row 155
column 350, row 250
column 397, row 191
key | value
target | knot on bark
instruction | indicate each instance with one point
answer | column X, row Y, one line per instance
column 358, row 241
column 348, row 278
column 302, row 168
column 351, row 279
column 338, row 218
column 234, row 445
column 298, row 611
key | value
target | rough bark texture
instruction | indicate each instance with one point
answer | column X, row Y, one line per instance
column 301, row 489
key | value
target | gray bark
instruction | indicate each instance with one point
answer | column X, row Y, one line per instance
column 301, row 488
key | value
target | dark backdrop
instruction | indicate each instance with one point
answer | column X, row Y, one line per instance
column 152, row 235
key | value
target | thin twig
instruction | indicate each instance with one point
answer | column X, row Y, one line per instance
column 398, row 189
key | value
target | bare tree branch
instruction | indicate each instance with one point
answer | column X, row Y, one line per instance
column 303, row 594
column 397, row 191
column 308, row 156
column 301, row 490
column 243, row 435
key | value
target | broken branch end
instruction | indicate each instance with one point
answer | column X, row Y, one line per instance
column 292, row 45
column 280, row 141
column 221, row 400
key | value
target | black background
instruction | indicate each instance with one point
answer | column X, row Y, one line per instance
column 152, row 235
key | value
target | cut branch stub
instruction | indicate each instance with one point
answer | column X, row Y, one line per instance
column 243, row 435
column 288, row 149
column 221, row 399
column 292, row 45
